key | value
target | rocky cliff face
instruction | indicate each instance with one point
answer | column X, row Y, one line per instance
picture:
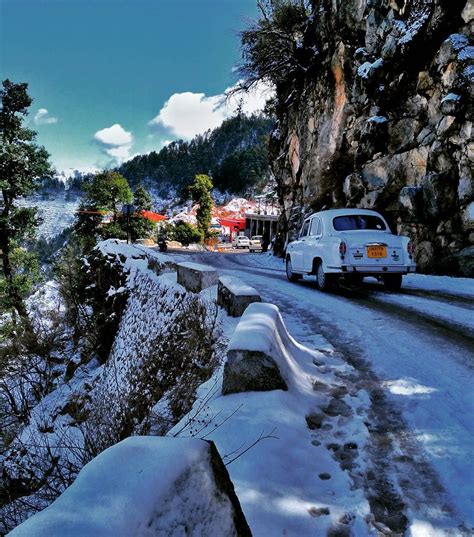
column 383, row 119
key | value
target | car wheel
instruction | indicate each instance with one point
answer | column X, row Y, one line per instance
column 292, row 277
column 323, row 281
column 392, row 282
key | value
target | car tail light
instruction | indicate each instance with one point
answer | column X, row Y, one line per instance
column 410, row 249
column 342, row 249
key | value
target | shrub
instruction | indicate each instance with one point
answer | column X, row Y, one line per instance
column 186, row 233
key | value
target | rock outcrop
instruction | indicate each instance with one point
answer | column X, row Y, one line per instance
column 382, row 118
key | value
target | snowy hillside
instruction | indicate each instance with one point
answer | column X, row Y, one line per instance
column 57, row 213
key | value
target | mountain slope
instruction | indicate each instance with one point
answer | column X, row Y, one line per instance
column 236, row 154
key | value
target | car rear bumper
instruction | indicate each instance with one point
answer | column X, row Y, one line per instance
column 371, row 269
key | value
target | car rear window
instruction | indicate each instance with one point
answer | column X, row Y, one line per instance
column 358, row 221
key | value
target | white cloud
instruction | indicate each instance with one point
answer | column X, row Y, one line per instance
column 42, row 117
column 115, row 135
column 115, row 142
column 187, row 114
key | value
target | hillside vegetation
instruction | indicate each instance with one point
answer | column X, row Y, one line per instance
column 235, row 154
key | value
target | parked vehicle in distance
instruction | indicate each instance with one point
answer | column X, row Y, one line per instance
column 241, row 241
column 256, row 243
column 350, row 244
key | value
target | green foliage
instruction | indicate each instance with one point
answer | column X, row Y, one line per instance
column 22, row 163
column 142, row 199
column 273, row 47
column 244, row 169
column 185, row 233
column 178, row 163
column 107, row 190
column 47, row 249
column 25, row 272
column 84, row 279
column 200, row 191
column 140, row 227
column 86, row 226
column 104, row 192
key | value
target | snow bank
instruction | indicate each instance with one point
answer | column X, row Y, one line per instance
column 135, row 256
column 262, row 329
column 165, row 346
column 237, row 286
column 145, row 486
column 274, row 458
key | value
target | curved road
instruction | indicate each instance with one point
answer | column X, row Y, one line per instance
column 414, row 352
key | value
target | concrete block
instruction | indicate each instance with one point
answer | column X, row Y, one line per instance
column 234, row 295
column 195, row 277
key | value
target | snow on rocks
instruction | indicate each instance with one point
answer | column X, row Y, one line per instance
column 234, row 295
column 256, row 357
column 146, row 486
column 290, row 478
column 367, row 69
column 377, row 119
column 196, row 277
column 164, row 347
column 136, row 255
column 165, row 334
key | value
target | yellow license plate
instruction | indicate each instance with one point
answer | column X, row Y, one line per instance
column 376, row 251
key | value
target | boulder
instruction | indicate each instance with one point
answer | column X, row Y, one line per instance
column 465, row 260
column 255, row 359
column 424, row 256
column 146, row 486
column 251, row 371
column 195, row 277
column 411, row 199
column 234, row 295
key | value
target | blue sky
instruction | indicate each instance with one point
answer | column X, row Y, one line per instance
column 113, row 78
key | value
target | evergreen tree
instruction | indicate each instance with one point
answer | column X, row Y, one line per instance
column 179, row 162
column 200, row 191
column 141, row 227
column 142, row 199
column 107, row 191
column 104, row 193
column 22, row 164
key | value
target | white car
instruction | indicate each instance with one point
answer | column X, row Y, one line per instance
column 349, row 243
column 256, row 243
column 241, row 241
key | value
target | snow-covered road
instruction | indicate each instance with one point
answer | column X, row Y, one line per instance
column 414, row 351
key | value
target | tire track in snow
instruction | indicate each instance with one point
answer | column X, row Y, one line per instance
column 450, row 330
column 395, row 448
column 394, row 481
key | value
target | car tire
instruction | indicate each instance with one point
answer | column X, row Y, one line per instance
column 292, row 277
column 324, row 281
column 392, row 282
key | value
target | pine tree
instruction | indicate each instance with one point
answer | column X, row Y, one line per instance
column 141, row 227
column 22, row 164
column 200, row 191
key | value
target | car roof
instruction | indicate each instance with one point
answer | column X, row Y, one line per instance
column 332, row 213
